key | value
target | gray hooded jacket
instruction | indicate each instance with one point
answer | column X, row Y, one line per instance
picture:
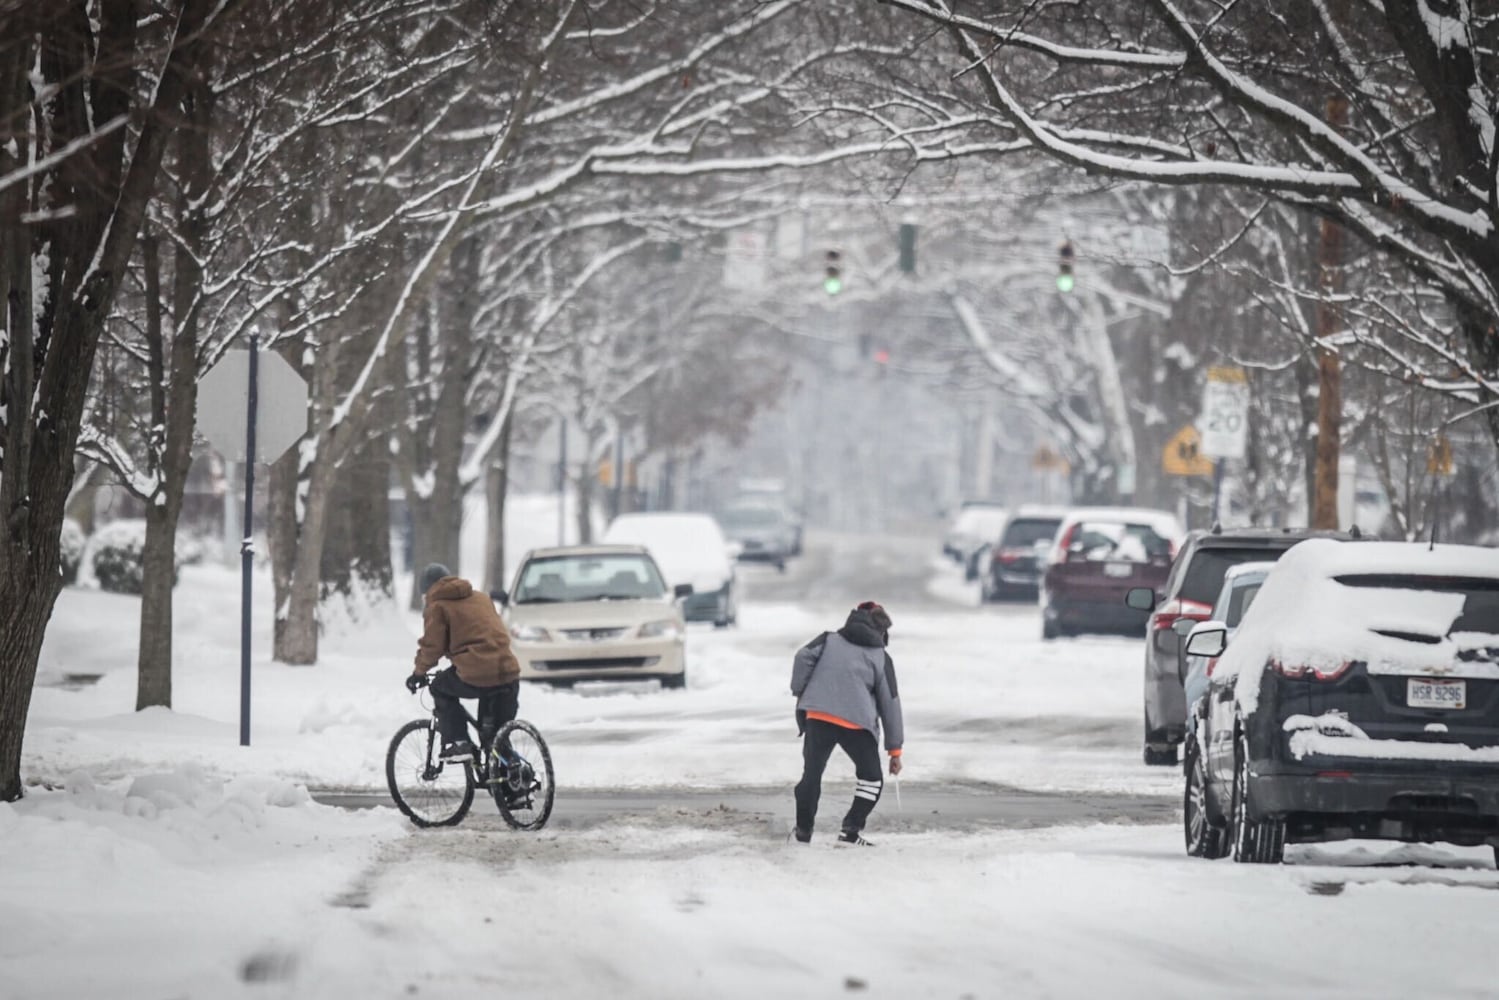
column 848, row 674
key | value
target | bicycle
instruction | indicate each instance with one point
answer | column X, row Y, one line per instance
column 514, row 764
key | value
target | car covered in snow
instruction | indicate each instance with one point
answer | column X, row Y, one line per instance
column 691, row 549
column 1099, row 555
column 978, row 523
column 595, row 612
column 1241, row 584
column 1358, row 699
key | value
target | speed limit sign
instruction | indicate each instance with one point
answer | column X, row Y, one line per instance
column 1224, row 424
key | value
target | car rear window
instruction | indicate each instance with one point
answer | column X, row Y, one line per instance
column 1480, row 596
column 1112, row 541
column 1025, row 532
column 1209, row 565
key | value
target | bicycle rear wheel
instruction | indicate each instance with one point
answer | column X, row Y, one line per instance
column 524, row 785
column 428, row 791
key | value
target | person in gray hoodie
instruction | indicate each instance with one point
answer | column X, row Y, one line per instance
column 845, row 690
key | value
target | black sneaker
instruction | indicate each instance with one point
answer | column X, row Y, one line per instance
column 851, row 838
column 457, row 753
column 802, row 836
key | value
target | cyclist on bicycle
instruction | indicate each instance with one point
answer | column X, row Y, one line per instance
column 462, row 624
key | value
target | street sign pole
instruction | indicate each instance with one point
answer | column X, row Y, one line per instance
column 247, row 546
column 229, row 392
column 1217, row 489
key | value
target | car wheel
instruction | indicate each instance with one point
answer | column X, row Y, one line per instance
column 1256, row 842
column 675, row 681
column 1049, row 629
column 1204, row 838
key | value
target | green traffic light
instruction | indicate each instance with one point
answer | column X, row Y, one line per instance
column 1064, row 282
column 832, row 284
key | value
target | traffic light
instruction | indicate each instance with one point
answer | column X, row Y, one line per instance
column 906, row 244
column 1065, row 257
column 832, row 277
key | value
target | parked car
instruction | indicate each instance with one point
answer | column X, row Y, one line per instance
column 595, row 612
column 1196, row 577
column 1018, row 557
column 1100, row 554
column 1359, row 698
column 690, row 548
column 975, row 524
column 1241, row 584
column 775, row 493
column 762, row 531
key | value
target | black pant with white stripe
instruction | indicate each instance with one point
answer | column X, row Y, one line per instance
column 817, row 746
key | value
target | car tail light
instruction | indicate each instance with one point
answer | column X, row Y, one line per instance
column 1303, row 671
column 1007, row 558
column 1173, row 611
column 1066, row 542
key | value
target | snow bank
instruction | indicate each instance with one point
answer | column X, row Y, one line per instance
column 168, row 880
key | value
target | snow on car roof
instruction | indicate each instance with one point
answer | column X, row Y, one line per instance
column 1305, row 615
column 1248, row 569
column 689, row 547
column 1162, row 522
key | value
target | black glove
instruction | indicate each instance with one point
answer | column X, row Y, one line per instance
column 415, row 682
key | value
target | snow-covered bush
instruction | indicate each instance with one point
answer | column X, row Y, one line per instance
column 115, row 555
column 70, row 549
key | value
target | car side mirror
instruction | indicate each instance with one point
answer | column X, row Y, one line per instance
column 1140, row 598
column 1207, row 639
column 500, row 597
column 682, row 590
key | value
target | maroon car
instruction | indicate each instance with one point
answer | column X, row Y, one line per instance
column 1099, row 554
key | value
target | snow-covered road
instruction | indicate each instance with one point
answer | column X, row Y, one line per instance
column 171, row 862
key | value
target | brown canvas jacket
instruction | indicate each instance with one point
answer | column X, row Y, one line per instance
column 462, row 624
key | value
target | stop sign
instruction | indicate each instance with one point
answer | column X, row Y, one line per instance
column 224, row 400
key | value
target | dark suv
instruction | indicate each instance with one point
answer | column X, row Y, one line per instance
column 1196, row 577
column 1017, row 559
column 1371, row 708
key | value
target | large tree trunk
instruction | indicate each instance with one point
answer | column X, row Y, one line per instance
column 82, row 256
column 174, row 391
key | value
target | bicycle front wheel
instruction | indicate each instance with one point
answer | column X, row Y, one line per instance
column 428, row 791
column 524, row 787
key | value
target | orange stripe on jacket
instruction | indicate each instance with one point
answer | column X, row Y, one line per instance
column 825, row 717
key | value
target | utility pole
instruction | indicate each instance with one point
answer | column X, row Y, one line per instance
column 1329, row 367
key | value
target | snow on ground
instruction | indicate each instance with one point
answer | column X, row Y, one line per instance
column 168, row 861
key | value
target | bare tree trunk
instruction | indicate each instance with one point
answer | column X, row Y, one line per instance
column 83, row 256
column 296, row 637
column 496, row 487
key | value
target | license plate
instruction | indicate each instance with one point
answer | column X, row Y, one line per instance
column 1424, row 692
column 1118, row 569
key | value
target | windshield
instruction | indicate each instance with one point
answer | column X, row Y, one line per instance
column 1208, row 567
column 554, row 579
column 1024, row 533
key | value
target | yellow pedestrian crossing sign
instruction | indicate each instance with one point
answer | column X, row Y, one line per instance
column 1183, row 454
